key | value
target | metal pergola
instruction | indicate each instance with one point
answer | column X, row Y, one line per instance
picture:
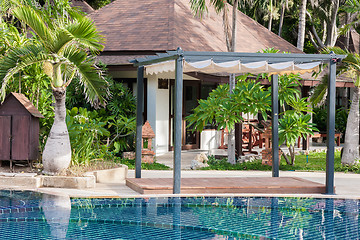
column 179, row 56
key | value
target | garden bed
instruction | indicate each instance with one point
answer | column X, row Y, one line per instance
column 316, row 162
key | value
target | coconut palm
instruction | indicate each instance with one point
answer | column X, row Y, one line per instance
column 350, row 67
column 302, row 23
column 66, row 48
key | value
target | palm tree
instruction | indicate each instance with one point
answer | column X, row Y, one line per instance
column 66, row 47
column 302, row 24
column 284, row 6
column 199, row 7
column 350, row 66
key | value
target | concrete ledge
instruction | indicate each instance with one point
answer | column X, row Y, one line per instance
column 20, row 181
column 31, row 180
column 69, row 182
column 115, row 175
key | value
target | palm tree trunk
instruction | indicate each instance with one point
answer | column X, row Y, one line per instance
column 234, row 17
column 270, row 16
column 302, row 23
column 351, row 145
column 270, row 21
column 57, row 151
column 331, row 35
column 231, row 147
column 281, row 19
column 231, row 135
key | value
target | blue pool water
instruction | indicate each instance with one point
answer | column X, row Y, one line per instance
column 31, row 215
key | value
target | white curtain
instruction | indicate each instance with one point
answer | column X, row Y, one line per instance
column 209, row 66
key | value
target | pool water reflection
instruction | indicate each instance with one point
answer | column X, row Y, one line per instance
column 30, row 215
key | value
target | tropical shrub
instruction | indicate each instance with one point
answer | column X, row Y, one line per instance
column 86, row 131
column 225, row 108
column 119, row 114
column 293, row 122
column 320, row 119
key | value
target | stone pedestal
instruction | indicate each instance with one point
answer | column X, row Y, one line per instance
column 267, row 157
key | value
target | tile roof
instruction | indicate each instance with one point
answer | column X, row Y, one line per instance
column 160, row 25
column 27, row 104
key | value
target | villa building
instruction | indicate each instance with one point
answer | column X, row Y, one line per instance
column 141, row 28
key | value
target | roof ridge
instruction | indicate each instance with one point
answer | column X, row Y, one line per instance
column 171, row 25
column 104, row 7
column 161, row 25
column 271, row 32
column 27, row 104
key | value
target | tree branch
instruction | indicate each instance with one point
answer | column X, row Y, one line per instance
column 314, row 33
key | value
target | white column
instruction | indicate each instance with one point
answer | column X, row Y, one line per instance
column 158, row 114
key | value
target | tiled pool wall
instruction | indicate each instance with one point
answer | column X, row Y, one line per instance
column 46, row 217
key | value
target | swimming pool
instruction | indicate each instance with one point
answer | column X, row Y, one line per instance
column 32, row 215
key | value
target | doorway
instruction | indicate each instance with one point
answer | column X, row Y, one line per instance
column 191, row 95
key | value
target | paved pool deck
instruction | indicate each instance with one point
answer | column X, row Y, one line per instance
column 347, row 184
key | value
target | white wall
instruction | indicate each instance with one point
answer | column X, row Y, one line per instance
column 162, row 121
column 158, row 114
column 151, row 104
column 157, row 107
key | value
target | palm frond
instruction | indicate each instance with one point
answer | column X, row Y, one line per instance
column 31, row 18
column 91, row 77
column 198, row 7
column 62, row 38
column 85, row 33
column 320, row 92
column 18, row 59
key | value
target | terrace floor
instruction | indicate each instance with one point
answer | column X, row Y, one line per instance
column 283, row 185
column 347, row 184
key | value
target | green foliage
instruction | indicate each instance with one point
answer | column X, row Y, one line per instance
column 320, row 119
column 64, row 42
column 225, row 108
column 289, row 89
column 341, row 116
column 291, row 126
column 249, row 97
column 96, row 4
column 85, row 131
column 316, row 162
column 119, row 114
column 146, row 166
column 223, row 164
column 122, row 101
column 123, row 130
column 11, row 38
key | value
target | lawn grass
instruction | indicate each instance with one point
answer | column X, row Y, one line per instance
column 81, row 170
column 145, row 166
column 316, row 162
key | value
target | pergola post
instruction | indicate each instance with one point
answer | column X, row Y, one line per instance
column 139, row 119
column 275, row 124
column 178, row 121
column 331, row 128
